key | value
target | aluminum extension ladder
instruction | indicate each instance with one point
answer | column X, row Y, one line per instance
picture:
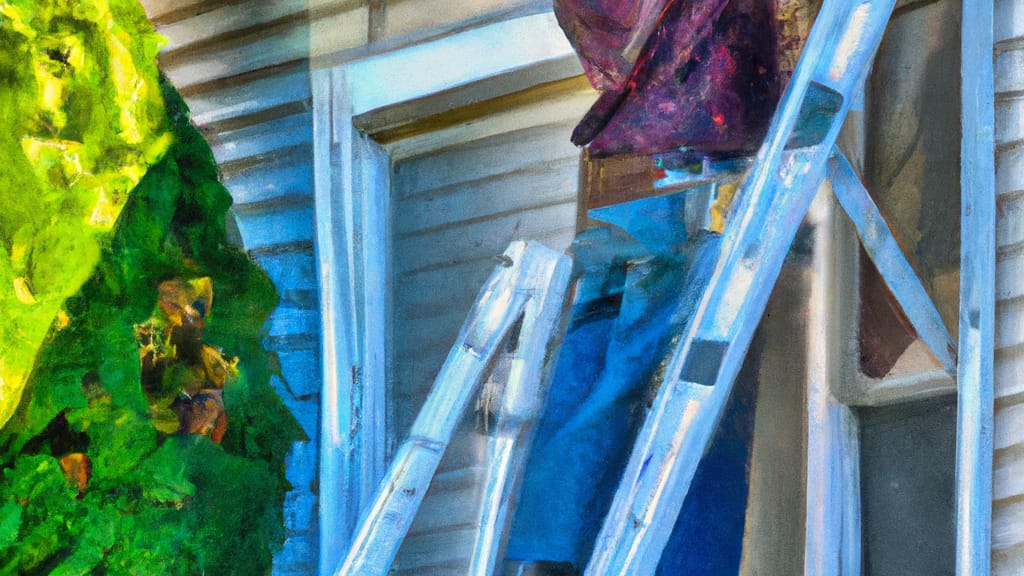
column 527, row 289
column 791, row 165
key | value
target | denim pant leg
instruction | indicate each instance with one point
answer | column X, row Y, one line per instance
column 605, row 376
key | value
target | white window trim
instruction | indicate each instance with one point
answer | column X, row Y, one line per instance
column 352, row 191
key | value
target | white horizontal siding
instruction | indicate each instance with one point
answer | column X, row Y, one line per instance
column 454, row 210
column 1008, row 480
column 257, row 92
column 1008, row 560
column 289, row 225
column 1010, row 113
column 1009, row 366
column 430, row 554
column 284, row 173
column 263, row 138
column 1008, row 474
column 1009, row 71
column 1010, row 226
column 283, row 41
column 405, row 17
column 175, row 10
column 228, row 19
column 1009, row 333
column 1009, row 20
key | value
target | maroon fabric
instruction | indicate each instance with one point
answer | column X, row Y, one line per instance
column 705, row 78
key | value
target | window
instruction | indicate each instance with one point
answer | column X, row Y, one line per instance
column 892, row 422
column 378, row 143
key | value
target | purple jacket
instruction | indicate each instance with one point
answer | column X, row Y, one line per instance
column 674, row 73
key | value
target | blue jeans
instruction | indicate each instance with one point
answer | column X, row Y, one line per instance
column 631, row 303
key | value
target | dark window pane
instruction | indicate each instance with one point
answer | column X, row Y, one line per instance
column 907, row 481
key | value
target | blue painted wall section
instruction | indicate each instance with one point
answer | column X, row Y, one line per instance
column 270, row 178
column 293, row 335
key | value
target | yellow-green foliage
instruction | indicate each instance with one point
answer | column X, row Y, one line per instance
column 82, row 120
column 155, row 503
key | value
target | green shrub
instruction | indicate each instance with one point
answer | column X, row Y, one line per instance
column 153, row 502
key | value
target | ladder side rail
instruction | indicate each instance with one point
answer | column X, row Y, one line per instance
column 499, row 305
column 521, row 403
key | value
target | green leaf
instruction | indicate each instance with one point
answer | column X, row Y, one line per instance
column 10, row 522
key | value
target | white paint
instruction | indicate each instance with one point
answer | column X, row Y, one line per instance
column 336, row 496
column 850, row 42
column 419, row 70
column 833, row 526
column 1009, row 20
column 1009, row 71
column 1010, row 171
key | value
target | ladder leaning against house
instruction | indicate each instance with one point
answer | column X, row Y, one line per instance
column 797, row 156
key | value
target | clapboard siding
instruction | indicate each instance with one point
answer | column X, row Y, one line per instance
column 1008, row 560
column 337, row 27
column 428, row 554
column 263, row 138
column 1008, row 479
column 405, row 17
column 284, row 173
column 163, row 12
column 1008, row 473
column 1009, row 20
column 486, row 159
column 1010, row 172
column 1009, row 334
column 1010, row 226
column 1009, row 112
column 289, row 224
column 228, row 20
column 437, row 511
column 243, row 98
column 536, row 186
column 1009, row 365
column 455, row 209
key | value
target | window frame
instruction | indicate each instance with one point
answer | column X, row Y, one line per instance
column 352, row 207
column 835, row 385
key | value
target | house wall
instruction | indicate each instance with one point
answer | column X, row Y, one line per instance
column 243, row 68
column 1008, row 497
